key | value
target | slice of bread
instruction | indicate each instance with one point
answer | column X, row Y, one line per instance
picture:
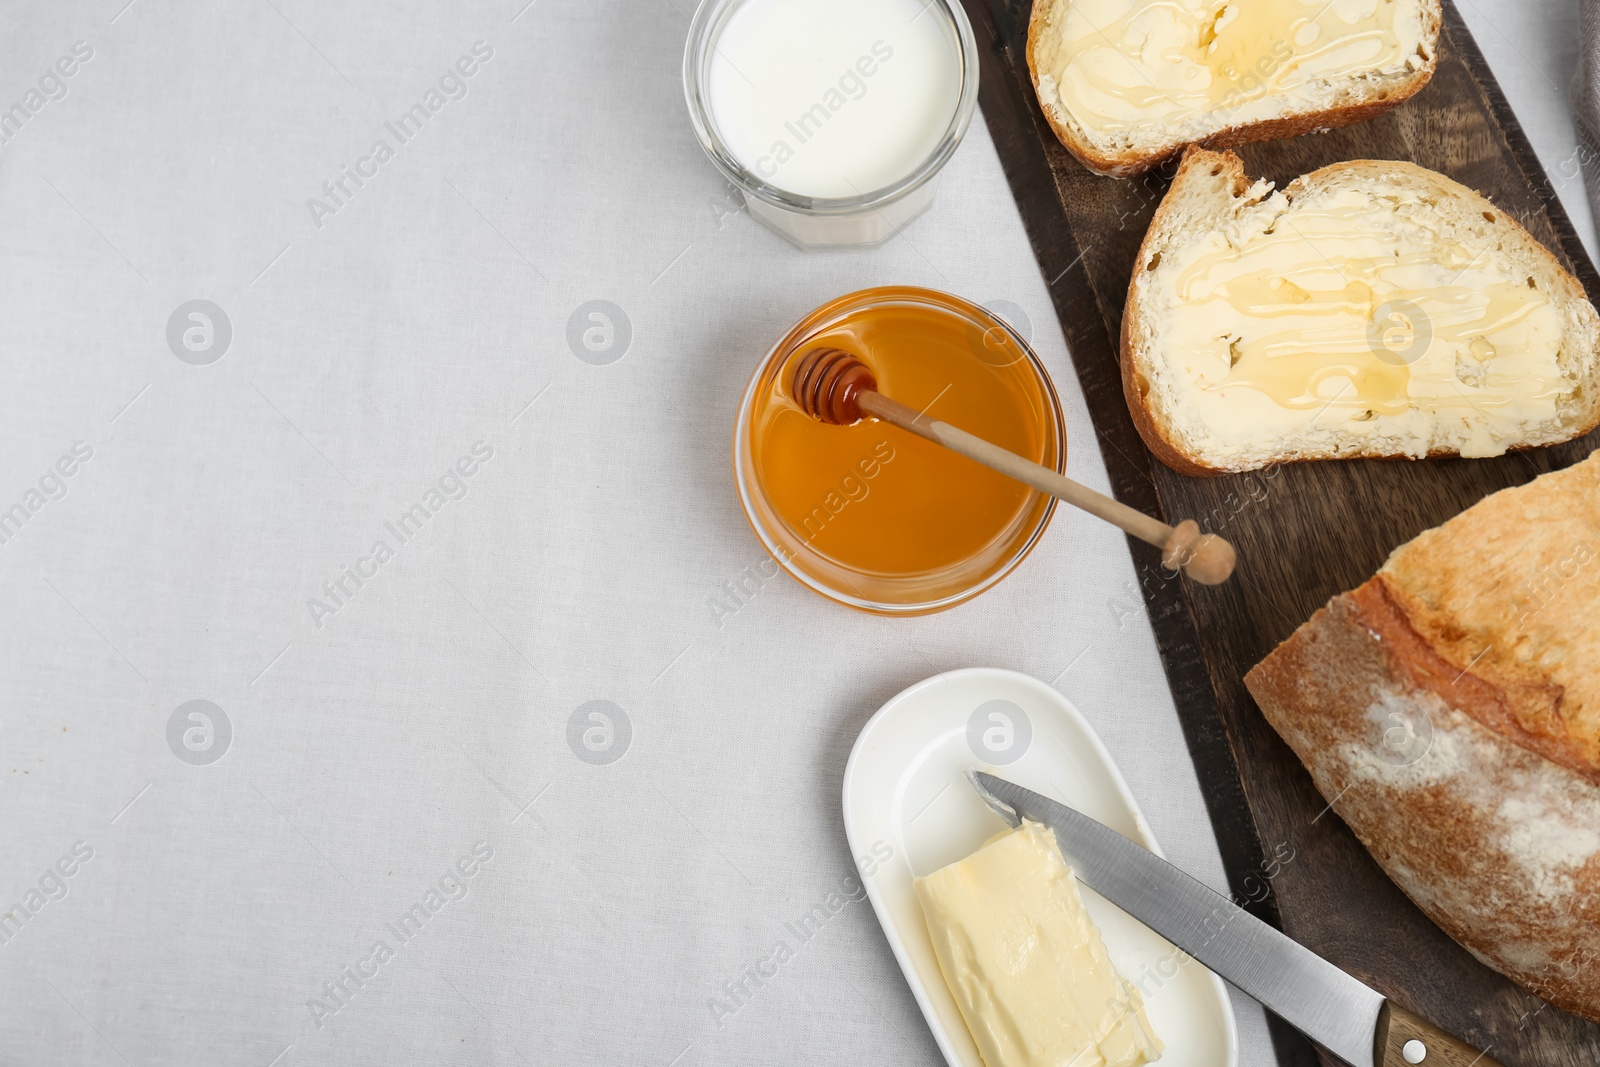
column 1126, row 84
column 1369, row 309
column 1449, row 711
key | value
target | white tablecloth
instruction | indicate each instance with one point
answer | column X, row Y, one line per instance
column 384, row 753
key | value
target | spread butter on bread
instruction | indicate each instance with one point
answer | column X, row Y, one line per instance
column 1449, row 711
column 1368, row 309
column 1126, row 84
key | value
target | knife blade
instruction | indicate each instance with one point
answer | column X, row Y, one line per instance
column 1342, row 1014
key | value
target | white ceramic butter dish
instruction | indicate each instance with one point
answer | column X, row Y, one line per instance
column 906, row 796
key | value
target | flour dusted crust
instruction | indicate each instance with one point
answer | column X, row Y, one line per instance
column 1511, row 589
column 1448, row 715
column 1212, row 188
column 1343, row 105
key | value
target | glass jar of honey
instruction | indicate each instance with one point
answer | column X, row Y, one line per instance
column 875, row 517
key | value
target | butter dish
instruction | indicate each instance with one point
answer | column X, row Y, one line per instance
column 910, row 810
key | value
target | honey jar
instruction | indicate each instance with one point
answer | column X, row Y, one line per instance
column 877, row 518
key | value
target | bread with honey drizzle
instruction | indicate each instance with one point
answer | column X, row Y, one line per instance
column 1449, row 711
column 1371, row 309
column 1127, row 84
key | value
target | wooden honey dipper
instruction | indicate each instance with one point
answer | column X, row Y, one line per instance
column 837, row 388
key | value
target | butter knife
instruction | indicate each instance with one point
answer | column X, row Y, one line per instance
column 1342, row 1014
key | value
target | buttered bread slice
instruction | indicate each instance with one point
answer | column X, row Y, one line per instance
column 1126, row 84
column 1369, row 309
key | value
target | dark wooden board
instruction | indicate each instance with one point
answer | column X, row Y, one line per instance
column 1304, row 532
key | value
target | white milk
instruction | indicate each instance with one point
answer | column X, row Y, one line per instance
column 833, row 98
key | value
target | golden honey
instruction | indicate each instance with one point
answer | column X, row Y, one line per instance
column 1323, row 300
column 1138, row 66
column 1328, row 311
column 879, row 518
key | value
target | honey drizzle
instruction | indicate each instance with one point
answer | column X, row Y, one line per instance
column 1463, row 312
column 1258, row 42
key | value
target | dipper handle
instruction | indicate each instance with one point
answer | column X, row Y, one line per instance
column 1206, row 558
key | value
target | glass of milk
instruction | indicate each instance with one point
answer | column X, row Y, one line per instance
column 832, row 117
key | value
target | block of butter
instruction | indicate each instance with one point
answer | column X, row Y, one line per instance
column 1026, row 964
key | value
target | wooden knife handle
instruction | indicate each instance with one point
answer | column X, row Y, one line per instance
column 1406, row 1040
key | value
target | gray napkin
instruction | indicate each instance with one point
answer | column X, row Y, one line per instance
column 1586, row 99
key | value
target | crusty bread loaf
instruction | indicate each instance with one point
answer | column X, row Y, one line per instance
column 1126, row 84
column 1449, row 710
column 1369, row 309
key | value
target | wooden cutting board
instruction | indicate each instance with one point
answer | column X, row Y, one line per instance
column 1304, row 533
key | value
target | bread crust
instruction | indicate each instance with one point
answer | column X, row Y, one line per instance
column 1496, row 844
column 1205, row 165
column 1144, row 419
column 1131, row 164
column 1516, row 611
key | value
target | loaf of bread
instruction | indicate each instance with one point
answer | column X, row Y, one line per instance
column 1369, row 309
column 1449, row 711
column 1126, row 84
